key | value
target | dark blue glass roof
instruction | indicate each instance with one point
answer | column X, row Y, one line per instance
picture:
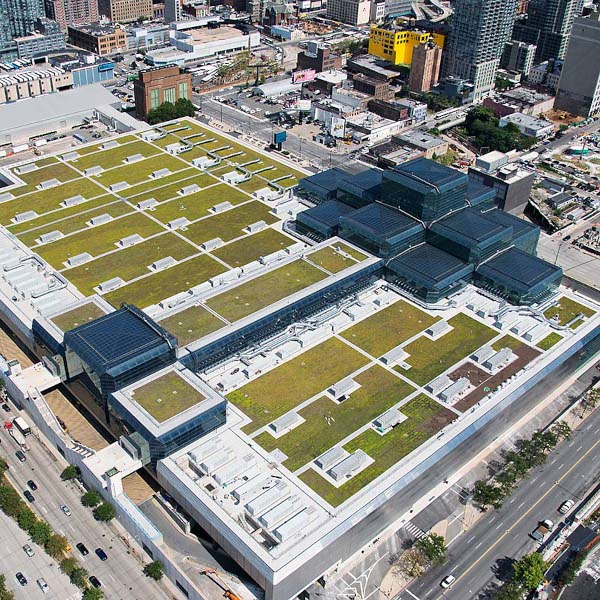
column 431, row 172
column 380, row 221
column 328, row 212
column 519, row 226
column 469, row 224
column 519, row 269
column 371, row 178
column 430, row 264
column 114, row 340
column 477, row 192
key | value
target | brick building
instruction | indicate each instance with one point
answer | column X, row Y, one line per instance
column 425, row 69
column 72, row 12
column 98, row 39
column 122, row 11
column 373, row 87
column 318, row 57
column 162, row 84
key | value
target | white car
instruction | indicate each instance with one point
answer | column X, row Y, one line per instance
column 447, row 581
column 65, row 509
column 28, row 550
column 566, row 506
column 43, row 585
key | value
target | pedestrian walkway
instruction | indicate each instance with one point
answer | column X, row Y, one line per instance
column 414, row 530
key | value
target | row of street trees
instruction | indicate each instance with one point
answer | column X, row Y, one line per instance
column 526, row 574
column 530, row 454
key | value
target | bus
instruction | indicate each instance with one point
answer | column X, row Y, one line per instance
column 21, row 424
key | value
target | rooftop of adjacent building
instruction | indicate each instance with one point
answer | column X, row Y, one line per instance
column 527, row 120
column 205, row 35
column 420, row 138
column 96, row 29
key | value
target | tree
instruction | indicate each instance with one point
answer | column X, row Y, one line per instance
column 562, row 430
column 10, row 501
column 509, row 591
column 411, row 564
column 71, row 472
column 434, row 549
column 154, row 570
column 41, row 532
column 56, row 546
column 529, row 571
column 91, row 499
column 184, row 108
column 92, row 594
column 68, row 565
column 26, row 518
column 79, row 577
column 5, row 593
column 105, row 512
column 592, row 398
column 162, row 113
column 486, row 495
column 3, row 463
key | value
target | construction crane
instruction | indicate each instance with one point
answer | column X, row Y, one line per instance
column 227, row 591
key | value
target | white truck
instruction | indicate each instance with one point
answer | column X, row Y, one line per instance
column 540, row 533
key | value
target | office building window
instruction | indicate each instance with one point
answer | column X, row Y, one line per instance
column 183, row 89
column 154, row 98
column 169, row 95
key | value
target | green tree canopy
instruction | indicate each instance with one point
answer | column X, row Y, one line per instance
column 487, row 494
column 79, row 577
column 3, row 463
column 154, row 570
column 56, row 546
column 93, row 594
column 68, row 565
column 5, row 593
column 529, row 571
column 105, row 512
column 10, row 501
column 71, row 472
column 91, row 498
column 184, row 108
column 41, row 532
column 26, row 518
column 433, row 548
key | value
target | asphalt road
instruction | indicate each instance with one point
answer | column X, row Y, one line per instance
column 485, row 552
column 14, row 559
column 318, row 155
column 121, row 575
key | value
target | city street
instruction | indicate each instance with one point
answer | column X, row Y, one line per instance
column 121, row 575
column 14, row 559
column 485, row 552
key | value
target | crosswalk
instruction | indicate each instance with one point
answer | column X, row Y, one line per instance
column 414, row 530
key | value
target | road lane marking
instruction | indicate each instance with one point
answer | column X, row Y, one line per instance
column 480, row 544
column 520, row 504
column 470, row 540
column 526, row 514
column 415, row 597
column 44, row 509
column 492, row 519
column 578, row 449
column 560, row 467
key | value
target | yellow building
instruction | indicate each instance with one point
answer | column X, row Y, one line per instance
column 396, row 44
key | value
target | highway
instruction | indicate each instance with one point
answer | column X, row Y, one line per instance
column 484, row 553
column 121, row 575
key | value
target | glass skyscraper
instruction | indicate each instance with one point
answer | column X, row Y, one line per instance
column 17, row 18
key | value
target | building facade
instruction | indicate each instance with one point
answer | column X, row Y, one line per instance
column 163, row 84
column 425, row 68
column 318, row 57
column 47, row 38
column 548, row 26
column 519, row 57
column 35, row 83
column 396, row 42
column 353, row 12
column 97, row 39
column 579, row 84
column 480, row 28
column 398, row 8
column 173, row 11
column 121, row 11
column 18, row 19
column 72, row 12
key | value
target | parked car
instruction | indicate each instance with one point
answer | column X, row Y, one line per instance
column 81, row 547
column 65, row 509
column 32, row 484
column 29, row 496
column 28, row 550
column 95, row 581
column 101, row 554
column 43, row 585
column 566, row 506
column 21, row 578
column 20, row 456
column 5, row 407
